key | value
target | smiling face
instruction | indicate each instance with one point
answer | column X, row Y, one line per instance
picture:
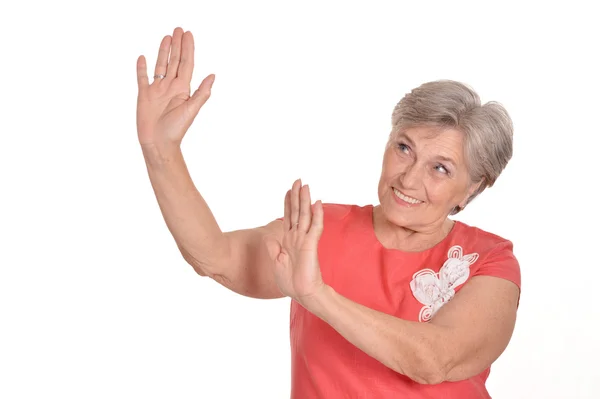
column 424, row 176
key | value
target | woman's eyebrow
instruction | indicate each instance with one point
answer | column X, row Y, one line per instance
column 443, row 158
column 447, row 159
column 405, row 137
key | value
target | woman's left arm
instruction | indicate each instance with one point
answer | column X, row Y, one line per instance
column 463, row 338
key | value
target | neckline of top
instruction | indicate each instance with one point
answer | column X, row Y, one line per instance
column 370, row 226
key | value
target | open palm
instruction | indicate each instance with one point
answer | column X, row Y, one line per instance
column 165, row 109
column 297, row 270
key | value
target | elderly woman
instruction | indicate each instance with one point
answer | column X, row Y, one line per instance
column 395, row 300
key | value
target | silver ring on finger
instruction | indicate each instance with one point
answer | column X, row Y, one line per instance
column 159, row 76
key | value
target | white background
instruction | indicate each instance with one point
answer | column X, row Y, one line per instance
column 95, row 299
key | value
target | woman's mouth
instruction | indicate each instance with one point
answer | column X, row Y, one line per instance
column 406, row 198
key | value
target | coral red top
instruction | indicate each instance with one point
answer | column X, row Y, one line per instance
column 408, row 285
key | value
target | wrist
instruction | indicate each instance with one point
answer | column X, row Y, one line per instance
column 316, row 303
column 160, row 154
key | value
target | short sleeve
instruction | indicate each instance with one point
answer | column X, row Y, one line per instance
column 501, row 262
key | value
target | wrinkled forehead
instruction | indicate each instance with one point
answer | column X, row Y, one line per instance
column 430, row 135
column 422, row 131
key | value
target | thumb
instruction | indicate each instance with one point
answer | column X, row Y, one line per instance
column 316, row 226
column 202, row 94
column 273, row 247
column 142, row 73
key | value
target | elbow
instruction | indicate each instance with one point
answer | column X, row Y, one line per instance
column 427, row 366
column 198, row 268
column 428, row 373
column 430, row 377
column 201, row 268
column 209, row 263
column 199, row 271
column 204, row 271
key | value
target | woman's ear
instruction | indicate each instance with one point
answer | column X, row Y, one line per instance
column 473, row 188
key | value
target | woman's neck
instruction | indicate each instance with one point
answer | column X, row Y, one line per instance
column 397, row 237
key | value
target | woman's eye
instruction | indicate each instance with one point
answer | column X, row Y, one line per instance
column 403, row 148
column 441, row 169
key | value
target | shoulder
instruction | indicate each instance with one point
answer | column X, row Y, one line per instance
column 345, row 220
column 482, row 241
column 340, row 212
column 348, row 215
column 493, row 254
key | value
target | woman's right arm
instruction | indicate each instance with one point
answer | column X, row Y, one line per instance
column 165, row 110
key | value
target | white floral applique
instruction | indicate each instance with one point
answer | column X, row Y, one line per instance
column 433, row 289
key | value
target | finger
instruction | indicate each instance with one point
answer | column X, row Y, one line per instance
column 316, row 227
column 142, row 73
column 201, row 95
column 186, row 65
column 163, row 56
column 287, row 211
column 175, row 55
column 295, row 215
column 305, row 212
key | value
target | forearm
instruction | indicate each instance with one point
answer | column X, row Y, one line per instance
column 187, row 215
column 404, row 346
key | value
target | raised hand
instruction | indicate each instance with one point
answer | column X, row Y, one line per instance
column 297, row 270
column 165, row 109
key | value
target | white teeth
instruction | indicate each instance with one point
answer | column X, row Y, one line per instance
column 405, row 198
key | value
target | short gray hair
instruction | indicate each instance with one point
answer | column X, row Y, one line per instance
column 488, row 128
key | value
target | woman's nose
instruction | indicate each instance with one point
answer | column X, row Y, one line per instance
column 412, row 176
